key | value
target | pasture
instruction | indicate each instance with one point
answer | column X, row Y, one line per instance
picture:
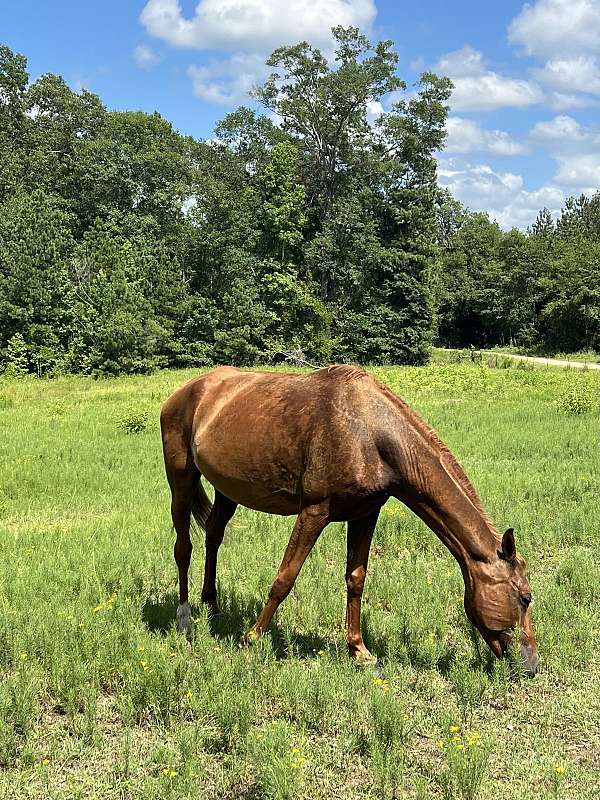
column 101, row 698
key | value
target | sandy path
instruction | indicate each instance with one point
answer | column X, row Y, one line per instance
column 552, row 362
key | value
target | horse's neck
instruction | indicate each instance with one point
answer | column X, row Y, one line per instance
column 432, row 483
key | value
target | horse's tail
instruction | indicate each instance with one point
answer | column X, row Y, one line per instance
column 201, row 506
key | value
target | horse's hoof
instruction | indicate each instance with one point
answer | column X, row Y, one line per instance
column 367, row 661
column 249, row 637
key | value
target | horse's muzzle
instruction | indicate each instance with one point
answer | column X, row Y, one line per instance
column 531, row 660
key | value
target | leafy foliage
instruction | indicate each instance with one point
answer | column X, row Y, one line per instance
column 539, row 290
column 125, row 246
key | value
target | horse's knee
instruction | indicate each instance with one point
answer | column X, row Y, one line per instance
column 355, row 581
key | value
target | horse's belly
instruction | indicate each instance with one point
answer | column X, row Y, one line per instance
column 252, row 456
column 272, row 494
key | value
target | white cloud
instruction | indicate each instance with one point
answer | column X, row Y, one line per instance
column 557, row 28
column 477, row 185
column 574, row 147
column 227, row 82
column 491, row 91
column 562, row 101
column 579, row 172
column 580, row 74
column 563, row 135
column 145, row 56
column 500, row 194
column 256, row 25
column 558, row 130
column 477, row 88
column 467, row 136
column 461, row 63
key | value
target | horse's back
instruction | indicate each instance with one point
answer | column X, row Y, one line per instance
column 269, row 439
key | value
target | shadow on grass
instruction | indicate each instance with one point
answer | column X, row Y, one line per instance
column 159, row 614
column 412, row 653
column 238, row 614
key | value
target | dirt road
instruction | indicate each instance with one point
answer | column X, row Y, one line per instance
column 553, row 362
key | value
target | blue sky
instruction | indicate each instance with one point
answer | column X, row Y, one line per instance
column 524, row 127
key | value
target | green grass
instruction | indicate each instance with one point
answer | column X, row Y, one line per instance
column 100, row 698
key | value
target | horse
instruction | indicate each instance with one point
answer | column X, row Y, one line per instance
column 331, row 445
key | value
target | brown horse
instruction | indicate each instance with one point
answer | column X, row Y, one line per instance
column 331, row 445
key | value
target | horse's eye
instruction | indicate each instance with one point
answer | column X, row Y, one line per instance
column 525, row 600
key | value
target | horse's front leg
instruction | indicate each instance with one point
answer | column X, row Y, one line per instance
column 360, row 535
column 307, row 529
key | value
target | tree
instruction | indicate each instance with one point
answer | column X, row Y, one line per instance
column 325, row 109
column 14, row 124
column 283, row 201
column 36, row 242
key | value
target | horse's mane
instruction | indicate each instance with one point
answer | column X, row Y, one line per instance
column 350, row 372
column 448, row 459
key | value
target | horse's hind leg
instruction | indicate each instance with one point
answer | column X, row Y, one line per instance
column 181, row 509
column 222, row 511
column 183, row 478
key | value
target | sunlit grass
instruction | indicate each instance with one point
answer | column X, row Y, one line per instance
column 101, row 698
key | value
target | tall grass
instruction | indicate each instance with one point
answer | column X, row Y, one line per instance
column 100, row 698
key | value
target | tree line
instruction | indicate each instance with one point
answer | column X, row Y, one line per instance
column 539, row 290
column 126, row 246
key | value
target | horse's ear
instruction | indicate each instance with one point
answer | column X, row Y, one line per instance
column 509, row 549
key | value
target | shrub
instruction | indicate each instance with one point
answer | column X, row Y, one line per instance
column 134, row 420
column 577, row 399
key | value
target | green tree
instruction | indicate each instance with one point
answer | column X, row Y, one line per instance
column 283, row 201
column 14, row 124
column 325, row 109
column 36, row 242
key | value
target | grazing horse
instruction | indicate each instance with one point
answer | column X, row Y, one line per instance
column 331, row 445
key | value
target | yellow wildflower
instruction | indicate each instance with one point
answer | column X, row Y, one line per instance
column 168, row 772
column 559, row 769
column 454, row 729
column 45, row 761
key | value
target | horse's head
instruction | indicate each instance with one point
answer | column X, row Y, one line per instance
column 498, row 600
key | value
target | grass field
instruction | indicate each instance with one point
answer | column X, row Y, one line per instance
column 100, row 698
